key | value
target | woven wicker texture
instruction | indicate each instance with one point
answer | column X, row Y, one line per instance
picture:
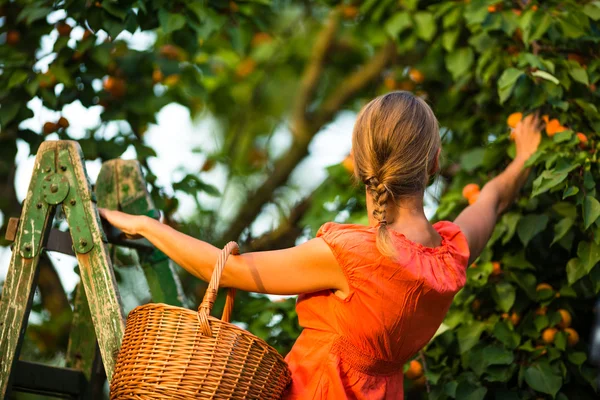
column 174, row 353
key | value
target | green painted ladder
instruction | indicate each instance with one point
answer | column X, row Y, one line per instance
column 59, row 179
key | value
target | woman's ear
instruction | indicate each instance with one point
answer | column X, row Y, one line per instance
column 436, row 163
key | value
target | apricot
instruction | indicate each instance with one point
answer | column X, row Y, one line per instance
column 514, row 119
column 416, row 75
column 572, row 336
column 565, row 319
column 470, row 189
column 548, row 335
column 415, row 370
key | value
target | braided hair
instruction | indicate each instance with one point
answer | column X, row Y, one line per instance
column 395, row 142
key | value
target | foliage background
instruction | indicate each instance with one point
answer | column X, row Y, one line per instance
column 272, row 75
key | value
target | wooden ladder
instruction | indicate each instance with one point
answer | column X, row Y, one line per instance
column 59, row 179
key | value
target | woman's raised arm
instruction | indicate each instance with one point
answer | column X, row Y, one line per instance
column 477, row 221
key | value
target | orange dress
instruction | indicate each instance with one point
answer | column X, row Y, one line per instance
column 355, row 348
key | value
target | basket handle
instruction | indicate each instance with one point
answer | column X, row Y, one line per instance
column 213, row 287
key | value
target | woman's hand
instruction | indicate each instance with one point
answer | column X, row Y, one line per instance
column 129, row 224
column 527, row 136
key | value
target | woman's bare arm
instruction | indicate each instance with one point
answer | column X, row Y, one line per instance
column 306, row 268
column 477, row 221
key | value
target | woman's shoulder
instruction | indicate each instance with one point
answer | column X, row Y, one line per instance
column 335, row 227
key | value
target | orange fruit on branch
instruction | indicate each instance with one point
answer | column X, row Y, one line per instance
column 63, row 122
column 572, row 336
column 63, row 28
column 348, row 163
column 515, row 318
column 416, row 76
column 514, row 119
column 496, row 268
column 260, row 38
column 389, row 83
column 469, row 190
column 350, row 12
column 473, row 198
column 157, row 76
column 50, row 127
column 582, row 140
column 115, row 86
column 415, row 370
column 13, row 37
column 543, row 286
column 548, row 335
column 566, row 319
column 541, row 311
column 553, row 127
column 245, row 68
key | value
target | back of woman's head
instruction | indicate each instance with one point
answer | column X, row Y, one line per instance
column 395, row 144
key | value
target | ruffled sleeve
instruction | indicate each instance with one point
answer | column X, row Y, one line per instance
column 455, row 241
column 334, row 235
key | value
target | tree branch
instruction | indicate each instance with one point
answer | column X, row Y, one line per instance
column 312, row 74
column 305, row 131
column 356, row 82
column 286, row 233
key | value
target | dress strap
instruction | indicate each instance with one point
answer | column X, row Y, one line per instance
column 362, row 362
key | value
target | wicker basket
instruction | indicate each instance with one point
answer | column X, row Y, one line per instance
column 174, row 353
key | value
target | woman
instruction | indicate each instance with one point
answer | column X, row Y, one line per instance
column 370, row 296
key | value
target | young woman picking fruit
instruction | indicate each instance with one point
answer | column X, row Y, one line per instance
column 370, row 296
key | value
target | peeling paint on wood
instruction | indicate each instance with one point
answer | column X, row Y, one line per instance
column 81, row 350
column 95, row 266
column 18, row 290
column 121, row 186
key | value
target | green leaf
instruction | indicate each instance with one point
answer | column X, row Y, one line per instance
column 531, row 225
column 170, row 22
column 449, row 39
column 563, row 136
column 468, row 335
column 17, row 78
column 468, row 391
column 504, row 334
column 589, row 254
column 579, row 74
column 577, row 358
column 398, row 23
column 510, row 220
column 8, row 111
column 547, row 180
column 504, row 295
column 472, row 159
column 506, row 83
column 592, row 10
column 561, row 228
column 426, row 26
column 546, row 75
column 113, row 9
column 459, row 62
column 495, row 355
column 535, row 25
column 570, row 191
column 540, row 377
column 591, row 211
column 575, row 270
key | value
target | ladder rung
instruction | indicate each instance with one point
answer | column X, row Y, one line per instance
column 43, row 379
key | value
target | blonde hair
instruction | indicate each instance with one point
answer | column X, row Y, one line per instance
column 395, row 143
